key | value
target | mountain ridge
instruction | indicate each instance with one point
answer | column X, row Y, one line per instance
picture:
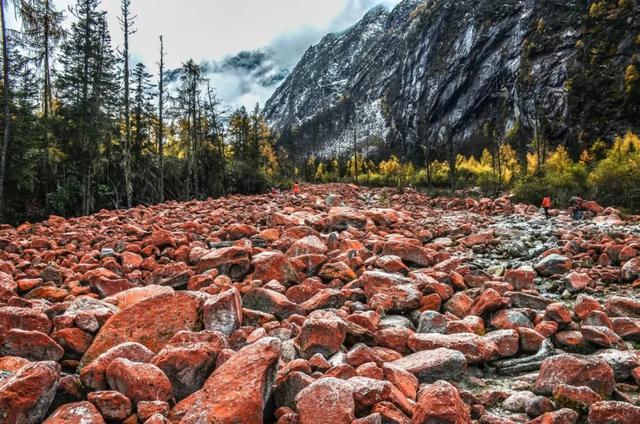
column 430, row 71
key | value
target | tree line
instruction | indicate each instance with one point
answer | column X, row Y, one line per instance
column 84, row 128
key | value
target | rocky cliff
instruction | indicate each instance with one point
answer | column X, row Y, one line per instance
column 469, row 71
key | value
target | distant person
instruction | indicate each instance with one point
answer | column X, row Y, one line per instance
column 546, row 204
column 576, row 204
column 274, row 192
column 296, row 188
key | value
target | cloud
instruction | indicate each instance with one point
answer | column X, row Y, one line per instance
column 246, row 78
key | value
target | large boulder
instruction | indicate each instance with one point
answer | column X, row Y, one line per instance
column 476, row 349
column 618, row 306
column 433, row 365
column 76, row 413
column 575, row 370
column 188, row 359
column 237, row 391
column 223, row 312
column 112, row 405
column 89, row 314
column 271, row 302
column 232, row 261
column 440, row 402
column 93, row 375
column 274, row 265
column 630, row 271
column 611, row 412
column 129, row 297
column 138, row 381
column 411, row 253
column 26, row 395
column 554, row 264
column 307, row 246
column 151, row 322
column 31, row 345
column 391, row 292
column 23, row 319
column 323, row 332
column 521, row 278
column 328, row 400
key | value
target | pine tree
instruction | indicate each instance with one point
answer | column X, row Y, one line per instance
column 88, row 91
column 24, row 170
column 142, row 110
column 188, row 108
column 6, row 85
column 214, row 168
column 239, row 129
column 43, row 32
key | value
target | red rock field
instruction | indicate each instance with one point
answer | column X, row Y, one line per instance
column 341, row 305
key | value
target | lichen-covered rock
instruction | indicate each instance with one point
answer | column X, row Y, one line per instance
column 26, row 395
column 150, row 322
column 440, row 402
column 575, row 370
column 236, row 392
column 76, row 413
column 138, row 381
column 328, row 400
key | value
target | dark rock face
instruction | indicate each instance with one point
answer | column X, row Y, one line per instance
column 461, row 70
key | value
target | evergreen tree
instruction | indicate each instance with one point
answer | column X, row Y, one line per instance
column 43, row 32
column 188, row 110
column 142, row 112
column 239, row 129
column 6, row 86
column 215, row 161
column 88, row 92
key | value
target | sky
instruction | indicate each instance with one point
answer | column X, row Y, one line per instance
column 273, row 34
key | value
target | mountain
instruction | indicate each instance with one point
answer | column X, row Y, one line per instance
column 469, row 72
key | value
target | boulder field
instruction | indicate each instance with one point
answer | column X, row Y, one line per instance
column 343, row 305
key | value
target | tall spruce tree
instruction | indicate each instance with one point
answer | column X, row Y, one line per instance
column 142, row 112
column 88, row 91
column 188, row 108
column 43, row 31
column 6, row 86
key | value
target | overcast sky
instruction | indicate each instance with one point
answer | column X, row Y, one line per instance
column 213, row 31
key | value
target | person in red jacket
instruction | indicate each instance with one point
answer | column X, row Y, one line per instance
column 296, row 188
column 546, row 204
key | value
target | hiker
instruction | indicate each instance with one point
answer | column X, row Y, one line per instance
column 546, row 204
column 575, row 203
column 296, row 188
column 274, row 192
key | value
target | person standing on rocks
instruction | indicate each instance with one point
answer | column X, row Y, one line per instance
column 296, row 188
column 546, row 204
column 575, row 203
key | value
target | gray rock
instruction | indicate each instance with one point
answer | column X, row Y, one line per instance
column 433, row 365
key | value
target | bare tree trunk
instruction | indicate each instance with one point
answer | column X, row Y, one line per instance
column 6, row 111
column 126, row 21
column 161, row 123
column 355, row 153
column 452, row 158
column 85, row 114
column 46, row 104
